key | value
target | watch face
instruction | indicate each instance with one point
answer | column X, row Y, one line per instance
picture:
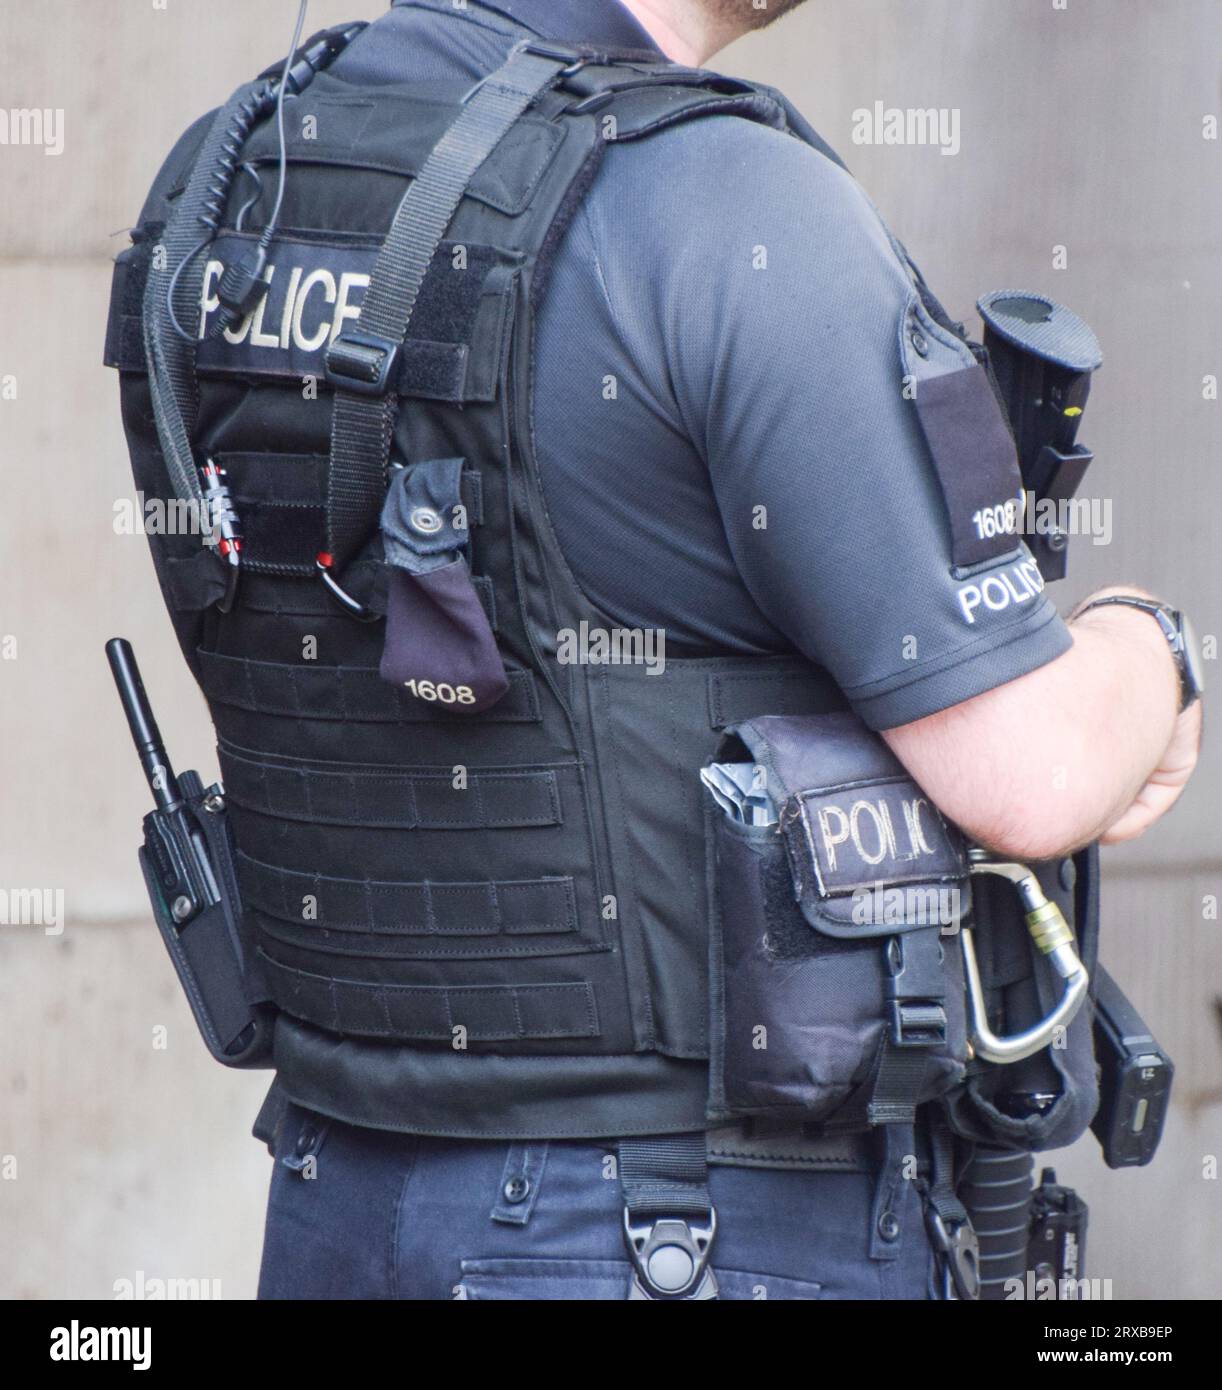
column 1194, row 672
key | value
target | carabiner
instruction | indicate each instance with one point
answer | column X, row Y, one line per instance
column 353, row 607
column 223, row 527
column 1052, row 934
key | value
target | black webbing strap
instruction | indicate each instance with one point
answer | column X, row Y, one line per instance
column 405, row 799
column 523, row 907
column 347, row 694
column 665, row 1176
column 941, row 1195
column 669, row 1221
column 899, row 1078
column 950, row 1227
column 431, row 1013
column 361, row 363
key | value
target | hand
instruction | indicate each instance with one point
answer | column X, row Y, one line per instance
column 1166, row 782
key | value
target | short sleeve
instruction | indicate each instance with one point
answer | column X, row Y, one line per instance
column 863, row 470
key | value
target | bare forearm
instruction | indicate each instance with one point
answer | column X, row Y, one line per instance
column 1048, row 762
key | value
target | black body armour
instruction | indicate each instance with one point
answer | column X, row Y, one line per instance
column 475, row 874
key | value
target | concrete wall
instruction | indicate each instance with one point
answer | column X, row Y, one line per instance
column 1080, row 127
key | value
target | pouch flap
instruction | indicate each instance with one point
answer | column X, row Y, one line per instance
column 424, row 521
column 869, row 852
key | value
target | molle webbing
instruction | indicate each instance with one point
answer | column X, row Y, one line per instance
column 488, row 923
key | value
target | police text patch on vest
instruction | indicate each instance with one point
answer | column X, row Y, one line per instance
column 865, row 833
column 314, row 291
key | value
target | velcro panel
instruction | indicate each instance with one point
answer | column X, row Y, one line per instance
column 487, row 1013
column 125, row 323
column 393, row 129
column 315, row 289
column 535, row 906
column 734, row 698
column 416, row 800
column 366, row 581
column 346, row 693
column 280, row 500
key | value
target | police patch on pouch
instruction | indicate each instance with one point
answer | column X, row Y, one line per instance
column 865, row 833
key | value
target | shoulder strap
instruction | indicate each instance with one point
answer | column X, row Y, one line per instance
column 361, row 363
column 648, row 96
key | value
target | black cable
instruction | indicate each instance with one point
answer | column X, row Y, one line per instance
column 269, row 230
column 241, row 284
column 239, row 222
column 172, row 288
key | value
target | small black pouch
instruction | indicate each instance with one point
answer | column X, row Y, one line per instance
column 439, row 643
column 837, row 984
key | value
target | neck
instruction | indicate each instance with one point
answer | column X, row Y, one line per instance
column 683, row 29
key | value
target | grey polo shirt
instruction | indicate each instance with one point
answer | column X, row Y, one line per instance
column 728, row 363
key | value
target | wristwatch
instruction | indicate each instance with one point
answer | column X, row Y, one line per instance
column 1180, row 635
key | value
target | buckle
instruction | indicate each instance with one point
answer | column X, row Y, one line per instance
column 916, row 987
column 917, row 1023
column 959, row 1248
column 576, row 58
column 670, row 1258
column 363, row 363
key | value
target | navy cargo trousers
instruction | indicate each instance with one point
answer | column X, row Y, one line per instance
column 361, row 1214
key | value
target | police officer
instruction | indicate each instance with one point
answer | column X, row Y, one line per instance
column 729, row 462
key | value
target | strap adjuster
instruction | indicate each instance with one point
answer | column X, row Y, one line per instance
column 670, row 1258
column 576, row 58
column 364, row 363
column 917, row 1023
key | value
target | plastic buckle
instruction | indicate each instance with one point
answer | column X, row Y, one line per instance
column 363, row 363
column 917, row 1023
column 959, row 1248
column 670, row 1258
column 915, row 989
column 577, row 58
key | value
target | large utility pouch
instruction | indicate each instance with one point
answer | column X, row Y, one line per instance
column 1047, row 1100
column 217, row 970
column 836, row 978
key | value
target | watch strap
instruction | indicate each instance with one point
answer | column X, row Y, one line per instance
column 1168, row 619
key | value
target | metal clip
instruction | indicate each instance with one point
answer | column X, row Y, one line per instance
column 224, row 526
column 353, row 607
column 959, row 1248
column 670, row 1258
column 1053, row 936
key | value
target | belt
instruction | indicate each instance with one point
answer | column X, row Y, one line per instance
column 755, row 1145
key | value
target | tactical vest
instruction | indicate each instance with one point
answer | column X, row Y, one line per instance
column 483, row 923
column 474, row 917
